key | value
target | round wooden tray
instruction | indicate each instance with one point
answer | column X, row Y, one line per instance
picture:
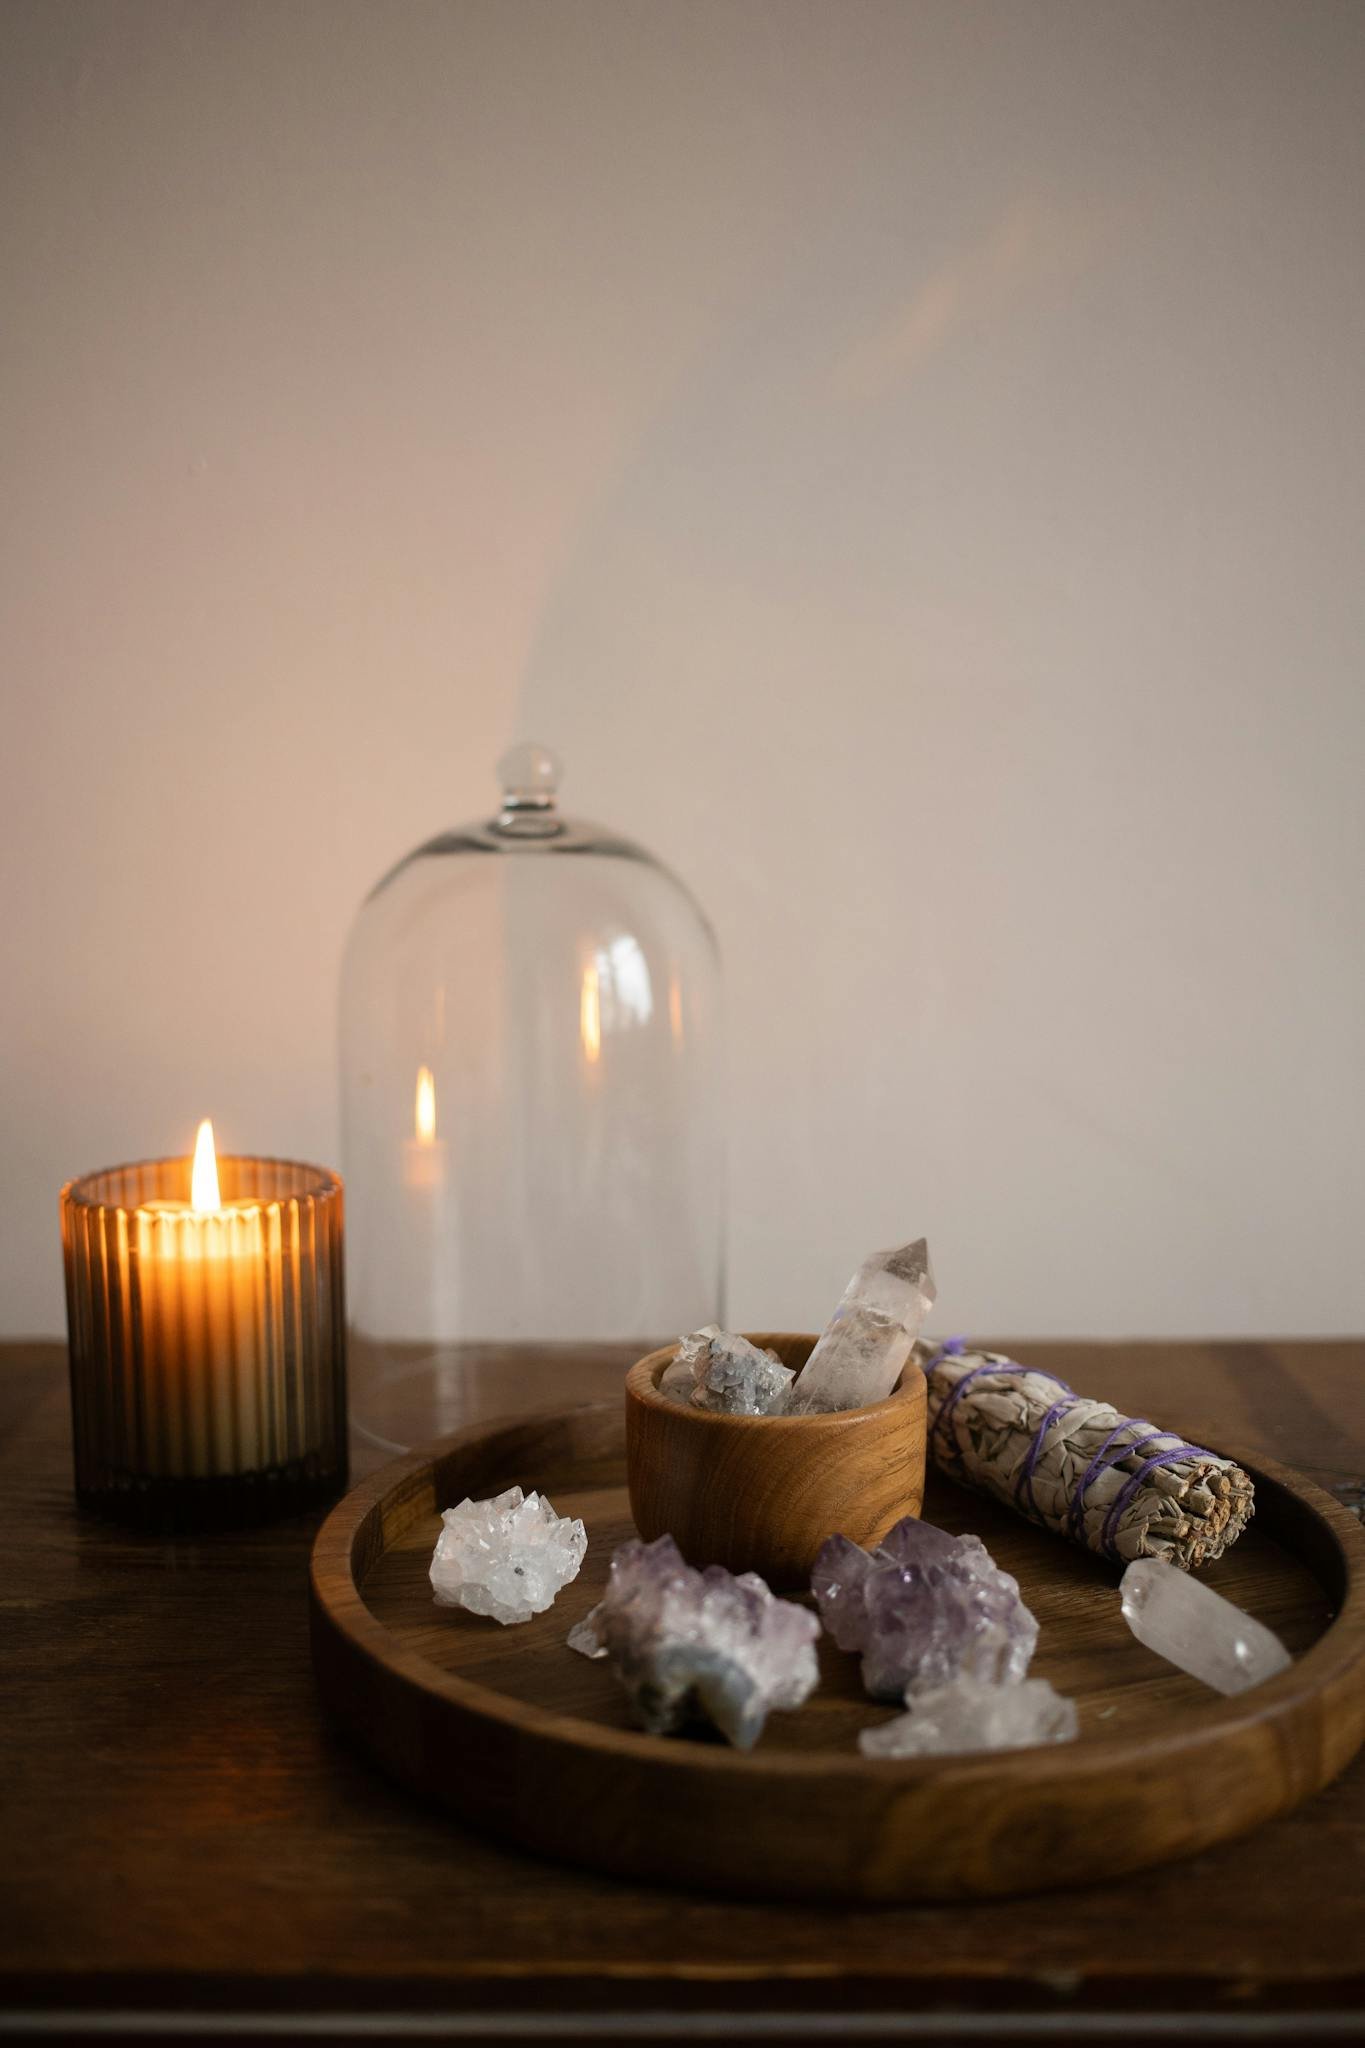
column 516, row 1733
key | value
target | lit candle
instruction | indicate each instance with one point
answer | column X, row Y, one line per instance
column 207, row 1345
column 204, row 1270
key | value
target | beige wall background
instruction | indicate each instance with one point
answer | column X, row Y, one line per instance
column 910, row 459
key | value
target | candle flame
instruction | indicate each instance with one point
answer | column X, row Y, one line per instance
column 204, row 1195
column 590, row 1014
column 424, row 1111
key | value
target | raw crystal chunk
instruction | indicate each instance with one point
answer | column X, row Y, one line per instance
column 731, row 1375
column 869, row 1338
column 675, row 1381
column 583, row 1636
column 506, row 1557
column 690, row 1645
column 950, row 1720
column 923, row 1609
column 1196, row 1628
column 839, row 1582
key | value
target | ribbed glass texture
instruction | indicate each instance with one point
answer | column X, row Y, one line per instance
column 208, row 1362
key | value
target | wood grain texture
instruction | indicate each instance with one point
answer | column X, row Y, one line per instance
column 508, row 1728
column 761, row 1493
column 183, row 1835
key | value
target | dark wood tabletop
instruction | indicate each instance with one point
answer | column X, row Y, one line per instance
column 187, row 1849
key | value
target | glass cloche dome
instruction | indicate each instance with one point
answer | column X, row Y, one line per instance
column 531, row 1118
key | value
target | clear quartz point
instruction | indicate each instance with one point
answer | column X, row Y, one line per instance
column 863, row 1351
column 969, row 1714
column 1197, row 1629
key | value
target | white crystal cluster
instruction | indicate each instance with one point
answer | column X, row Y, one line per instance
column 715, row 1369
column 972, row 1714
column 1197, row 1629
column 690, row 1645
column 864, row 1349
column 506, row 1557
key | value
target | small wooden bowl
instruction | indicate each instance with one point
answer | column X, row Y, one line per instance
column 760, row 1493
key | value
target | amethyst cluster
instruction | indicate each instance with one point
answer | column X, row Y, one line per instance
column 699, row 1646
column 924, row 1609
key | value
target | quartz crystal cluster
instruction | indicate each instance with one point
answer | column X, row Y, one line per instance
column 716, row 1369
column 923, row 1609
column 1192, row 1626
column 690, row 1645
column 940, row 1626
column 506, row 1557
column 949, row 1720
column 863, row 1352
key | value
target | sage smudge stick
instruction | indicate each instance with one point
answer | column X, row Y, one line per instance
column 1112, row 1483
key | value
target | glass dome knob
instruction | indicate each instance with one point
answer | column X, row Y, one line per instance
column 529, row 775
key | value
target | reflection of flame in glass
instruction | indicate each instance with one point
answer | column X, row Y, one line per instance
column 204, row 1195
column 424, row 1110
column 616, row 993
column 675, row 1008
column 626, row 972
column 590, row 1014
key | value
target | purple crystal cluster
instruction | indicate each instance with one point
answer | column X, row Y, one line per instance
column 923, row 1609
column 690, row 1645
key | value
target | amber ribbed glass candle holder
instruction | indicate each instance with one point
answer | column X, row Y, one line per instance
column 208, row 1364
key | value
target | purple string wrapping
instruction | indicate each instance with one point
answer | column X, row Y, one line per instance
column 1194, row 1519
column 954, row 1348
column 958, row 1391
column 1101, row 1462
column 1024, row 1483
column 1180, row 1453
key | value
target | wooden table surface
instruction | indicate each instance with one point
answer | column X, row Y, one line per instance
column 186, row 1848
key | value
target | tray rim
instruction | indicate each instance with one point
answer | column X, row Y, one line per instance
column 1337, row 1655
